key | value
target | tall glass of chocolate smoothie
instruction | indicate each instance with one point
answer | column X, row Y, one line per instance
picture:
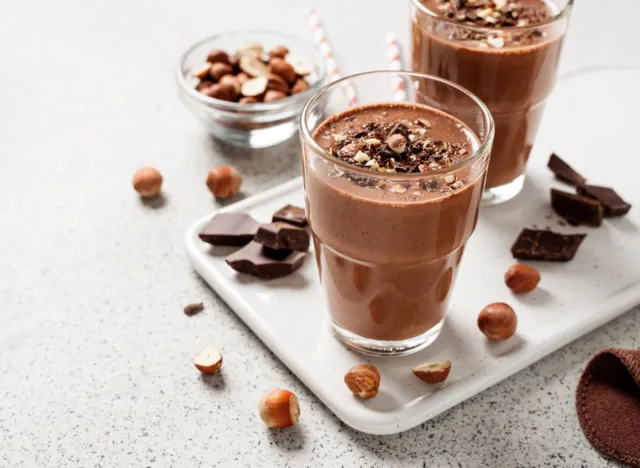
column 506, row 52
column 392, row 196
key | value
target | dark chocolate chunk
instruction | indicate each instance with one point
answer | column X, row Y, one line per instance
column 577, row 209
column 229, row 229
column 546, row 245
column 565, row 172
column 283, row 236
column 292, row 215
column 265, row 263
column 612, row 203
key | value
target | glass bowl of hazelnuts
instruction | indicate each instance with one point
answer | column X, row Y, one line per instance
column 249, row 87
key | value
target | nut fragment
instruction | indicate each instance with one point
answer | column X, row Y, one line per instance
column 202, row 72
column 278, row 51
column 254, row 86
column 449, row 179
column 253, row 66
column 397, row 143
column 218, row 56
column 425, row 123
column 147, row 182
column 372, row 141
column 363, row 380
column 399, row 188
column 193, row 309
column 282, row 69
column 218, row 70
column 299, row 86
column 496, row 42
column 498, row 321
column 224, row 181
column 209, row 360
column 273, row 95
column 522, row 278
column 276, row 83
column 433, row 372
column 279, row 409
column 251, row 50
column 300, row 66
column 361, row 157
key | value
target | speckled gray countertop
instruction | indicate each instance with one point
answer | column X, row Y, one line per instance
column 95, row 353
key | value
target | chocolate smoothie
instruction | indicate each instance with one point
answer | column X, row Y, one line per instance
column 389, row 234
column 504, row 51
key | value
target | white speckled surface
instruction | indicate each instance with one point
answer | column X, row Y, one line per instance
column 95, row 353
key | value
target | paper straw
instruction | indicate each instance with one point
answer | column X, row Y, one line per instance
column 395, row 63
column 333, row 72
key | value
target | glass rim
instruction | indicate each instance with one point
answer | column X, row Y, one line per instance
column 481, row 150
column 255, row 107
column 558, row 16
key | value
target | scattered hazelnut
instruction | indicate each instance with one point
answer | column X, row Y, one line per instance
column 300, row 66
column 218, row 70
column 283, row 69
column 147, row 182
column 254, row 86
column 248, row 100
column 218, row 91
column 397, row 143
column 209, row 360
column 253, row 66
column 224, row 181
column 218, row 56
column 230, row 80
column 276, row 83
column 279, row 409
column 433, row 372
column 299, row 86
column 363, row 380
column 273, row 95
column 202, row 72
column 278, row 51
column 522, row 278
column 498, row 321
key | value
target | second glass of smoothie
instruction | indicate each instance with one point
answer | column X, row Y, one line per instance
column 392, row 196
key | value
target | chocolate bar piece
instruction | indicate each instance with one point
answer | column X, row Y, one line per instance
column 283, row 236
column 265, row 263
column 546, row 245
column 577, row 209
column 236, row 229
column 565, row 172
column 612, row 203
column 292, row 215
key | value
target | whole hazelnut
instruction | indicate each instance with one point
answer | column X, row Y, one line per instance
column 235, row 63
column 363, row 380
column 147, row 182
column 242, row 77
column 521, row 278
column 278, row 51
column 279, row 409
column 276, row 83
column 202, row 72
column 218, row 70
column 224, row 181
column 498, row 321
column 299, row 86
column 282, row 69
column 248, row 100
column 204, row 84
column 273, row 95
column 230, row 80
column 218, row 91
column 218, row 56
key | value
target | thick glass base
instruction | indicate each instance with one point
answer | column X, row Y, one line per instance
column 386, row 348
column 256, row 138
column 503, row 193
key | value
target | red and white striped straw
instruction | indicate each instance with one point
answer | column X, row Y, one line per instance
column 395, row 63
column 320, row 37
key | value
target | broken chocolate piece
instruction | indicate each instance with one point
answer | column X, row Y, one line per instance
column 612, row 203
column 546, row 245
column 577, row 209
column 265, row 263
column 565, row 172
column 292, row 215
column 283, row 236
column 229, row 229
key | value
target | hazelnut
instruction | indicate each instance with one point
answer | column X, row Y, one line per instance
column 248, row 100
column 253, row 66
column 224, row 181
column 218, row 70
column 230, row 80
column 254, row 86
column 522, row 278
column 204, row 84
column 283, row 69
column 218, row 91
column 209, row 360
column 242, row 77
column 235, row 64
column 498, row 321
column 202, row 72
column 229, row 90
column 433, row 372
column 218, row 56
column 363, row 380
column 278, row 51
column 147, row 182
column 273, row 95
column 276, row 83
column 397, row 143
column 300, row 66
column 279, row 409
column 299, row 86
column 251, row 50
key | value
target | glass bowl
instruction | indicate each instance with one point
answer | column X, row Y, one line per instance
column 250, row 125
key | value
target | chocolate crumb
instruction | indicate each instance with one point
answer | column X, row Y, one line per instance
column 193, row 309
